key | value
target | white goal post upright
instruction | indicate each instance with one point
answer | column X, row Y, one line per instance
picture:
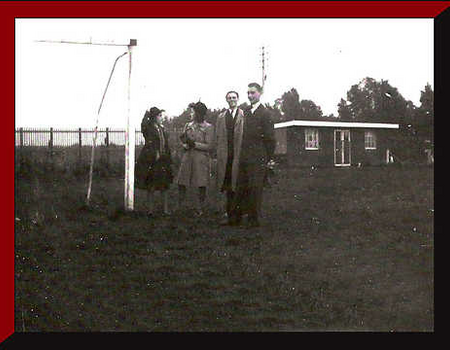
column 130, row 143
column 130, row 132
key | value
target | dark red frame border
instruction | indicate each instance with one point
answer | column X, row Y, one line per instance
column 139, row 9
column 216, row 9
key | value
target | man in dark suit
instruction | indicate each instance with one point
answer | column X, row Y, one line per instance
column 256, row 150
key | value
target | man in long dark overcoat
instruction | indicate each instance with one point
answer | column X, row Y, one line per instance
column 255, row 141
column 227, row 129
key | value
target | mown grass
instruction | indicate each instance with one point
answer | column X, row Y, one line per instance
column 340, row 249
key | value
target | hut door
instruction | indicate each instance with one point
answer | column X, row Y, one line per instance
column 342, row 156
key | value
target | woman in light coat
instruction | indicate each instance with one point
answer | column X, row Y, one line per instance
column 195, row 168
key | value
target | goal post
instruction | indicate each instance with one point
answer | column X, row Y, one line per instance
column 130, row 131
column 130, row 137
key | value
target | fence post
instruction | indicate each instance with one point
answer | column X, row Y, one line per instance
column 21, row 137
column 107, row 148
column 79, row 146
column 107, row 137
column 21, row 157
column 50, row 146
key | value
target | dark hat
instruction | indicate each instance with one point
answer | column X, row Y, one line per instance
column 200, row 108
column 154, row 111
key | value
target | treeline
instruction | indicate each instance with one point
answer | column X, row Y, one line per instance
column 378, row 101
column 368, row 101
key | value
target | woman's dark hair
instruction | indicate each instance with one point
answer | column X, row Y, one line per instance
column 151, row 114
column 200, row 110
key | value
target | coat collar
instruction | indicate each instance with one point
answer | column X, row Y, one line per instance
column 230, row 111
column 239, row 117
column 224, row 113
column 255, row 107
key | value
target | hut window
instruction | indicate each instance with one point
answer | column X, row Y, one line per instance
column 311, row 139
column 370, row 140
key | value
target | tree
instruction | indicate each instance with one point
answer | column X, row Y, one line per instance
column 291, row 104
column 309, row 110
column 371, row 100
column 344, row 112
column 378, row 101
column 424, row 117
column 292, row 108
column 211, row 115
column 427, row 100
column 275, row 113
column 179, row 121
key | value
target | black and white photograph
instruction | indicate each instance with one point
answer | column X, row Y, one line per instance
column 224, row 175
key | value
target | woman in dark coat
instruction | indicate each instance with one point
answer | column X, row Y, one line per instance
column 153, row 170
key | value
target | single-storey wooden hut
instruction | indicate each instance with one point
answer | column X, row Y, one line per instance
column 334, row 143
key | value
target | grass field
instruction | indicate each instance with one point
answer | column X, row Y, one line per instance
column 340, row 249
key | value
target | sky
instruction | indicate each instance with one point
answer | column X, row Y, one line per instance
column 178, row 61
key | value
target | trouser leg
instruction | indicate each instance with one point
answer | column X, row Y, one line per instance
column 236, row 206
column 201, row 197
column 150, row 202
column 229, row 204
column 257, row 176
column 181, row 195
column 254, row 203
column 239, row 202
column 227, row 188
column 165, row 201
